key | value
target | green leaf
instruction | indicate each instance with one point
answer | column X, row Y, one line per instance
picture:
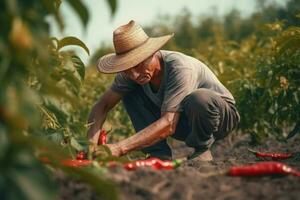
column 295, row 130
column 81, row 10
column 72, row 41
column 83, row 141
column 76, row 145
column 61, row 116
column 291, row 43
column 29, row 178
column 296, row 97
column 73, row 82
column 57, row 138
column 48, row 148
column 57, row 3
column 49, row 87
column 78, row 128
column 4, row 142
column 113, row 6
column 32, row 188
column 53, row 7
column 78, row 64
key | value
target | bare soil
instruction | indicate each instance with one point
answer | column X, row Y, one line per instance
column 198, row 180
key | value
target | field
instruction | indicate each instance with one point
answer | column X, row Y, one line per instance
column 198, row 180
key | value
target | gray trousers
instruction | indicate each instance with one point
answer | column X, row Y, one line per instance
column 206, row 117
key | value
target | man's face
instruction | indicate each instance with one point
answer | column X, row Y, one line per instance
column 143, row 72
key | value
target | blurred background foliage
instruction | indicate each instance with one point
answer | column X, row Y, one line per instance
column 39, row 101
column 46, row 92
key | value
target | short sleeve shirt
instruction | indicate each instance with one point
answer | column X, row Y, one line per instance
column 182, row 75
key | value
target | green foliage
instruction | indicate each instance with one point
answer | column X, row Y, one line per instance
column 22, row 176
column 81, row 10
column 71, row 41
column 39, row 92
column 113, row 5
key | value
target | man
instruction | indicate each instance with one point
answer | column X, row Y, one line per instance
column 165, row 93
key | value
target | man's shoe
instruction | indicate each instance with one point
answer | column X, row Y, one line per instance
column 201, row 155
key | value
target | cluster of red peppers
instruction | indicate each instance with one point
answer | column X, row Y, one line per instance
column 257, row 169
column 81, row 157
column 155, row 163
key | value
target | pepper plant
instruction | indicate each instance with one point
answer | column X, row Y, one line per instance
column 39, row 87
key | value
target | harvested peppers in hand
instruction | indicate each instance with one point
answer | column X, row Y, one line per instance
column 273, row 156
column 263, row 168
column 81, row 156
column 155, row 163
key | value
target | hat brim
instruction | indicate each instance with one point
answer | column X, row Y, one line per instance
column 113, row 63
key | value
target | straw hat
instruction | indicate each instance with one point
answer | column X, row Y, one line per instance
column 132, row 46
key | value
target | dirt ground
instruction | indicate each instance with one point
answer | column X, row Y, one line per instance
column 190, row 180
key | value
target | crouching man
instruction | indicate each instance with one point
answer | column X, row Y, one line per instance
column 165, row 93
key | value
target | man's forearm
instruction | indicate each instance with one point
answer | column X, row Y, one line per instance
column 146, row 137
column 96, row 120
column 99, row 112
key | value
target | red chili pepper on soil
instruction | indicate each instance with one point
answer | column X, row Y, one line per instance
column 102, row 137
column 274, row 156
column 263, row 168
column 155, row 163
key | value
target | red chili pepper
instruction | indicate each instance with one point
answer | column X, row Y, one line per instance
column 81, row 155
column 155, row 163
column 75, row 163
column 68, row 162
column 263, row 168
column 102, row 137
column 274, row 156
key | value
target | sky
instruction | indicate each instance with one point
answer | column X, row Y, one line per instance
column 101, row 24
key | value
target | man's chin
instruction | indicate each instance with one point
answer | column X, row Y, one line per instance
column 143, row 82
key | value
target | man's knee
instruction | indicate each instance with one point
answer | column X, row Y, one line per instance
column 201, row 100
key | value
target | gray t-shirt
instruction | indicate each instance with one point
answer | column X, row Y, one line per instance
column 182, row 75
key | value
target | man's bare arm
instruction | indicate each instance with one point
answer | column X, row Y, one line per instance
column 155, row 132
column 99, row 112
